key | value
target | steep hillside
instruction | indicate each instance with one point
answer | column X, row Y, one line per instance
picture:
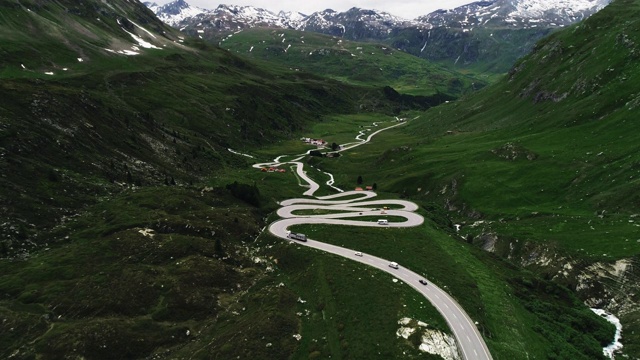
column 575, row 94
column 558, row 130
column 541, row 168
column 353, row 62
column 125, row 218
column 69, row 32
column 117, row 96
column 487, row 52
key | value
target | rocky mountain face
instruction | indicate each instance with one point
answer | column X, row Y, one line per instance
column 174, row 12
column 526, row 14
column 354, row 24
column 224, row 18
column 486, row 34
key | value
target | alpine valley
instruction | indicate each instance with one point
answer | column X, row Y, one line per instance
column 145, row 150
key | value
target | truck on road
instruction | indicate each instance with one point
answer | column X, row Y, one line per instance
column 297, row 236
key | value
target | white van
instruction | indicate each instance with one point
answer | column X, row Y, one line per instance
column 383, row 222
column 394, row 265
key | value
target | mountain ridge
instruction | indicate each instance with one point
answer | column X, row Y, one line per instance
column 533, row 13
column 488, row 35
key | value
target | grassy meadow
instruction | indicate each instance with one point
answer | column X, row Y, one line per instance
column 515, row 306
column 358, row 63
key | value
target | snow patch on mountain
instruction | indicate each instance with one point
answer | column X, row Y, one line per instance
column 538, row 8
column 253, row 16
column 293, row 16
column 515, row 13
column 363, row 24
column 223, row 18
column 175, row 12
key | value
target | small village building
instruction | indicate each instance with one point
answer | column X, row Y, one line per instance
column 317, row 142
column 272, row 169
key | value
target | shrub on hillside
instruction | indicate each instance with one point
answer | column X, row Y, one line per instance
column 247, row 193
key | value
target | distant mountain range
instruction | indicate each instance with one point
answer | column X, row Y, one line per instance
column 518, row 14
column 491, row 34
column 497, row 13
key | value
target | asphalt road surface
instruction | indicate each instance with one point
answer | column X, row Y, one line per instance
column 347, row 211
column 469, row 340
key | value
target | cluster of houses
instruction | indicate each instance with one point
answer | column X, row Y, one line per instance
column 317, row 142
column 272, row 169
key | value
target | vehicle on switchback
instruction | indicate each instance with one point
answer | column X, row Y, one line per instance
column 297, row 236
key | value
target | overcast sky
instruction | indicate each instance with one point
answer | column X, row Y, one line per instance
column 409, row 9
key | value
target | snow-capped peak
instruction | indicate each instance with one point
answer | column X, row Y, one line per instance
column 247, row 13
column 175, row 12
column 538, row 8
column 357, row 23
column 515, row 13
column 294, row 16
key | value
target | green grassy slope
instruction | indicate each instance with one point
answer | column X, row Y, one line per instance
column 90, row 154
column 79, row 120
column 517, row 309
column 487, row 52
column 559, row 130
column 554, row 141
column 349, row 61
column 542, row 167
column 96, row 145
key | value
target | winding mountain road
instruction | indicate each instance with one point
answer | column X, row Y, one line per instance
column 347, row 207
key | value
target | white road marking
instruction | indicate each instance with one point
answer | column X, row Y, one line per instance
column 347, row 213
